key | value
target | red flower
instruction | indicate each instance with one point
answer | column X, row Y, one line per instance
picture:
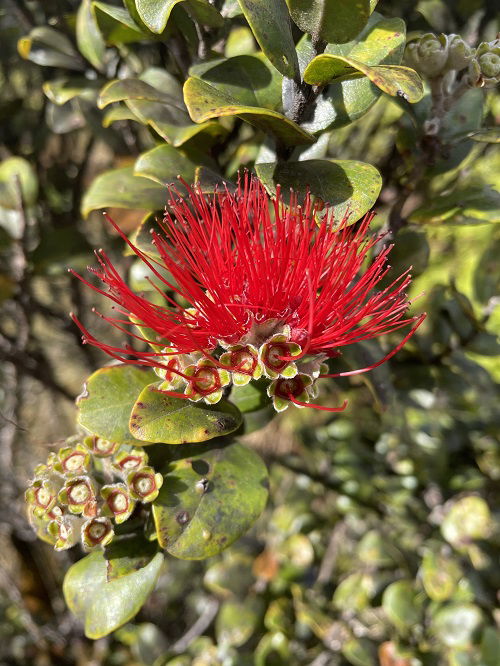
column 270, row 291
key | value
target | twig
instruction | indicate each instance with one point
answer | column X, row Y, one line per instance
column 201, row 625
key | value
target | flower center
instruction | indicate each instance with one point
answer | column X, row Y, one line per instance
column 102, row 445
column 74, row 462
column 243, row 361
column 289, row 387
column 118, row 502
column 131, row 462
column 79, row 493
column 97, row 531
column 273, row 356
column 43, row 497
column 206, row 380
column 143, row 485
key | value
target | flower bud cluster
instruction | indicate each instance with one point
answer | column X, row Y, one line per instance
column 434, row 56
column 484, row 70
column 265, row 352
column 87, row 488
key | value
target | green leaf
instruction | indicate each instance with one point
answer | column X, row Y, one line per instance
column 48, row 47
column 128, row 554
column 104, row 606
column 381, row 42
column 440, row 576
column 116, row 24
column 402, row 605
column 251, row 397
column 117, row 113
column 455, row 624
column 335, row 21
column 391, row 79
column 163, row 164
column 16, row 170
column 246, row 87
column 193, row 525
column 270, row 23
column 156, row 417
column 61, row 91
column 346, row 185
column 90, row 41
column 205, row 13
column 165, row 113
column 124, row 89
column 155, row 13
column 120, row 188
column 109, row 395
column 468, row 519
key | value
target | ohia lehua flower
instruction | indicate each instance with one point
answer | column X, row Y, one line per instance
column 253, row 288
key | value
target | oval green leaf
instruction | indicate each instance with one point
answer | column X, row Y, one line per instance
column 109, row 395
column 88, row 37
column 121, row 188
column 116, row 24
column 246, row 87
column 128, row 554
column 346, row 185
column 15, row 172
column 104, row 606
column 194, row 525
column 335, row 21
column 155, row 13
column 270, row 23
column 391, row 79
column 381, row 42
column 163, row 164
column 156, row 417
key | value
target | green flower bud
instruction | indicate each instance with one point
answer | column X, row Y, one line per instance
column 79, row 495
column 65, row 531
column 97, row 532
column 459, row 53
column 118, row 503
column 428, row 55
column 72, row 460
column 46, row 468
column 484, row 70
column 42, row 496
column 100, row 447
column 144, row 484
column 127, row 461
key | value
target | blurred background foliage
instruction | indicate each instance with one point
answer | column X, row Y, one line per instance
column 380, row 543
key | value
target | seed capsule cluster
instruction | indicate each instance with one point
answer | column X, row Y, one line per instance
column 87, row 488
column 266, row 351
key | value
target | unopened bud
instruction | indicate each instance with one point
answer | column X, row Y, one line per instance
column 72, row 460
column 459, row 53
column 42, row 495
column 144, row 484
column 97, row 532
column 428, row 55
column 100, row 447
column 484, row 70
column 78, row 494
column 118, row 503
column 65, row 531
column 127, row 461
